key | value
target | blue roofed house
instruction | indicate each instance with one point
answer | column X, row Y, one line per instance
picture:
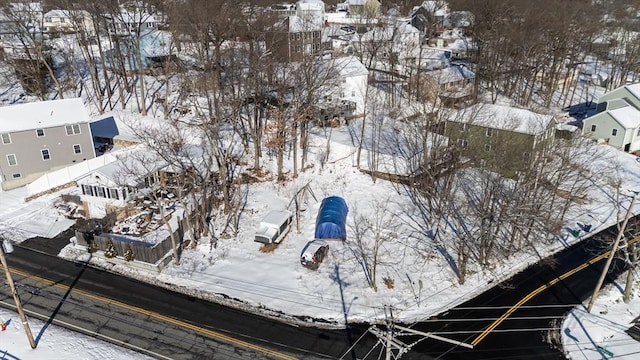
column 617, row 121
column 39, row 137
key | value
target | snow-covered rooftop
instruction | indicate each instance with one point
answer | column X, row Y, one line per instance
column 504, row 118
column 451, row 74
column 42, row 114
column 349, row 66
column 627, row 116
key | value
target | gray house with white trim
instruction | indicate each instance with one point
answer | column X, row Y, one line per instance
column 39, row 137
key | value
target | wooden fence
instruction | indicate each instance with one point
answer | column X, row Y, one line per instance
column 129, row 247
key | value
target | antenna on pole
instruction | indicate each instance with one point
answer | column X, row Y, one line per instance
column 395, row 348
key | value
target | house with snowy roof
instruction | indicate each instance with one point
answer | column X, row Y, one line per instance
column 294, row 37
column 68, row 21
column 626, row 94
column 109, row 187
column 618, row 126
column 130, row 23
column 39, row 137
column 364, row 8
column 503, row 138
column 617, row 119
column 429, row 17
column 344, row 99
column 453, row 85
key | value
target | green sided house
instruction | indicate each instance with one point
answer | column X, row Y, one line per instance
column 503, row 138
column 617, row 121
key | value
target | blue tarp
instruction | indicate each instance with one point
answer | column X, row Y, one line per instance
column 332, row 218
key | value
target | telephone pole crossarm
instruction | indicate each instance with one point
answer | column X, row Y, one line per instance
column 434, row 336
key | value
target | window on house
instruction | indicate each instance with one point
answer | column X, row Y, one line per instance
column 45, row 154
column 487, row 147
column 100, row 191
column 489, row 132
column 463, row 127
column 39, row 132
column 6, row 138
column 638, row 133
column 86, row 190
column 149, row 25
column 11, row 158
column 297, row 36
column 113, row 193
column 77, row 149
column 593, row 128
column 463, row 143
column 298, row 49
column 72, row 129
column 526, row 155
column 16, row 176
column 614, row 132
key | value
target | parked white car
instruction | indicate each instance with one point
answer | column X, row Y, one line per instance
column 313, row 253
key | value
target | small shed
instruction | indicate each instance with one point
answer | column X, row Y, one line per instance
column 332, row 218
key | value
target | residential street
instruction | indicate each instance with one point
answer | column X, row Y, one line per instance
column 522, row 334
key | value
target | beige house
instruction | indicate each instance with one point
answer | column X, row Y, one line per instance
column 39, row 137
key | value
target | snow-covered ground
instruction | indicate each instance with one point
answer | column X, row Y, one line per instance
column 55, row 343
column 337, row 291
column 589, row 336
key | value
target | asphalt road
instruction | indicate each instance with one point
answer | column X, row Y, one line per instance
column 529, row 331
column 163, row 322
column 180, row 327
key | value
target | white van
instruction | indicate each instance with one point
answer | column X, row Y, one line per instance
column 274, row 226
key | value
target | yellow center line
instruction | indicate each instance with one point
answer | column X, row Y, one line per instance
column 179, row 323
column 537, row 291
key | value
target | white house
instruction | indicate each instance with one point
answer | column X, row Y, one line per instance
column 132, row 23
column 311, row 9
column 111, row 186
column 406, row 35
column 68, row 21
column 353, row 80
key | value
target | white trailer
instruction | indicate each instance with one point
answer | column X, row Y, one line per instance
column 274, row 226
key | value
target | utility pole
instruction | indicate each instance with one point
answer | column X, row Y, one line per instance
column 395, row 348
column 614, row 249
column 16, row 299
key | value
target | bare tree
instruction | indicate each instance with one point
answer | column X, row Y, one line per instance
column 370, row 234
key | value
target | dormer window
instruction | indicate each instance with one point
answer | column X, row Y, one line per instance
column 6, row 138
column 39, row 132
